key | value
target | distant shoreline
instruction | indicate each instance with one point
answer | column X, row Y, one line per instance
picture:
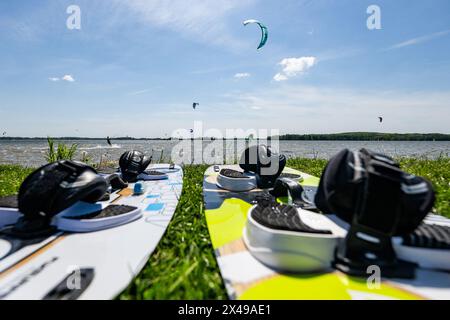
column 346, row 136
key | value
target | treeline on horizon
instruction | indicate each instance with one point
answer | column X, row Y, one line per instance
column 354, row 136
column 369, row 136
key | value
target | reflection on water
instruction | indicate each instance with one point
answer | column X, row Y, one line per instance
column 32, row 152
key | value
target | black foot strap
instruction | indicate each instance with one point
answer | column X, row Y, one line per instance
column 285, row 187
column 116, row 182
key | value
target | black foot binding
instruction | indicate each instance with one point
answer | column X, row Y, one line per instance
column 379, row 201
column 284, row 187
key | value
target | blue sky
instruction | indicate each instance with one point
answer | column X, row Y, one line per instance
column 136, row 66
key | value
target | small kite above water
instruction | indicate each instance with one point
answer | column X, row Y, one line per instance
column 4, row 133
column 195, row 105
column 264, row 31
column 381, row 119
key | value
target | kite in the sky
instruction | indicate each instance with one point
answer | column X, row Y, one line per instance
column 195, row 105
column 264, row 31
column 381, row 119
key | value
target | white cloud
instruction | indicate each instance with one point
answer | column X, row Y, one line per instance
column 280, row 77
column 292, row 67
column 242, row 75
column 68, row 78
column 136, row 93
column 419, row 40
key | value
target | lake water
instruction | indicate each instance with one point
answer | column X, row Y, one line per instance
column 32, row 152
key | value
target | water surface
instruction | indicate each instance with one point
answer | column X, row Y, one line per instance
column 32, row 152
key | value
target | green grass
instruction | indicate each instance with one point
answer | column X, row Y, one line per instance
column 62, row 151
column 10, row 178
column 311, row 166
column 183, row 265
column 438, row 172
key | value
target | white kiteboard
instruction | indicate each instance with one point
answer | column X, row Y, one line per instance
column 96, row 264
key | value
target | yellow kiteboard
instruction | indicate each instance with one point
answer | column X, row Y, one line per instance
column 247, row 278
